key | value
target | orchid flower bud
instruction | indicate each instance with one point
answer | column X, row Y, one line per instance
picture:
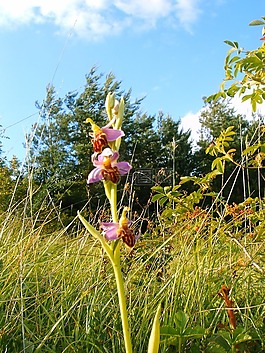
column 109, row 104
column 115, row 109
column 119, row 114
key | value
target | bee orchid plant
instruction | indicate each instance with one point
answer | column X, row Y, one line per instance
column 106, row 142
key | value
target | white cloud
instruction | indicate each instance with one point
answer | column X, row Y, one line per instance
column 16, row 12
column 95, row 18
column 148, row 10
column 187, row 11
column 190, row 121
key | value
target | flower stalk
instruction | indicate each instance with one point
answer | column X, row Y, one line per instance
column 122, row 302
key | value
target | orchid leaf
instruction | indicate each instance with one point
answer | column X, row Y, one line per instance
column 154, row 341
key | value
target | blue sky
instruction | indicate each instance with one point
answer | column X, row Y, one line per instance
column 171, row 51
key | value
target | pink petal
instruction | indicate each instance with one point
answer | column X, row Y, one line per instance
column 110, row 228
column 98, row 163
column 112, row 134
column 114, row 156
column 124, row 167
column 94, row 176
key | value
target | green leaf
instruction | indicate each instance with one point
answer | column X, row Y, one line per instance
column 232, row 150
column 259, row 99
column 257, row 23
column 246, row 97
column 250, row 150
column 214, row 347
column 227, row 157
column 215, row 97
column 175, row 194
column 186, row 179
column 254, row 105
column 230, row 129
column 194, row 332
column 220, row 340
column 232, row 44
column 243, row 337
column 153, row 345
column 96, row 234
column 232, row 90
column 157, row 188
column 176, row 187
column 218, row 165
column 168, row 331
column 262, row 148
column 157, row 197
column 181, row 320
column 163, row 200
column 235, row 58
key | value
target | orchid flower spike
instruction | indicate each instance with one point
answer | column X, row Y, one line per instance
column 107, row 167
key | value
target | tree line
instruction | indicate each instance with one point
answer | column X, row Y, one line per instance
column 60, row 148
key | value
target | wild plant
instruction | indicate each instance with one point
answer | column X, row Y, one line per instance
column 106, row 143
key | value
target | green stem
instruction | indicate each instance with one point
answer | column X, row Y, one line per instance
column 122, row 303
column 111, row 193
column 118, row 274
column 180, row 345
column 107, row 189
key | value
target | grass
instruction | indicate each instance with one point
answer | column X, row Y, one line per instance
column 58, row 293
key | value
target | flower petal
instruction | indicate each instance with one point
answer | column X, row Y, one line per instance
column 115, row 155
column 112, row 134
column 98, row 163
column 94, row 176
column 110, row 229
column 107, row 152
column 124, row 167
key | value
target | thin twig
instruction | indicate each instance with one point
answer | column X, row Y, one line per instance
column 248, row 255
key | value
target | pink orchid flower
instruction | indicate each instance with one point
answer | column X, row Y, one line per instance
column 101, row 136
column 121, row 230
column 107, row 167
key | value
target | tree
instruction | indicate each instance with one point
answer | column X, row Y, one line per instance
column 11, row 191
column 61, row 145
column 216, row 117
column 5, row 178
column 141, row 142
column 175, row 146
column 160, row 146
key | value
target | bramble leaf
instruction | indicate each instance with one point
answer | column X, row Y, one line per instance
column 257, row 23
